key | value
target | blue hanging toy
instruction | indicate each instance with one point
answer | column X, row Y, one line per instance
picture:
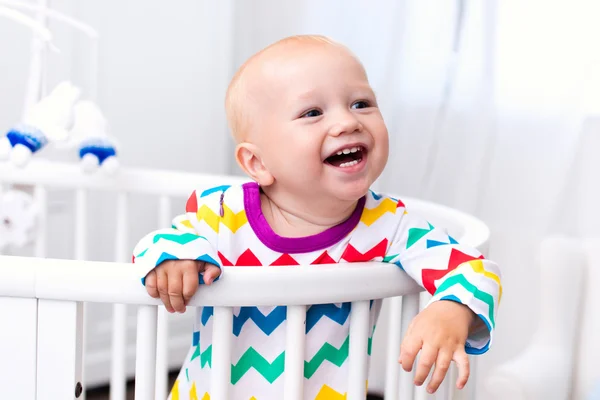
column 46, row 122
column 96, row 148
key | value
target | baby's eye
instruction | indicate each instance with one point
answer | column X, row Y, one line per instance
column 311, row 114
column 360, row 104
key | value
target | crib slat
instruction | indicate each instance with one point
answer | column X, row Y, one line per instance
column 294, row 353
column 81, row 225
column 18, row 348
column 145, row 354
column 162, row 335
column 359, row 337
column 118, row 373
column 446, row 389
column 162, row 344
column 221, row 353
column 41, row 199
column 421, row 391
column 410, row 308
column 471, row 388
column 81, row 230
column 59, row 350
column 392, row 370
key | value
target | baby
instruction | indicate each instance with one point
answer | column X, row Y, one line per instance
column 311, row 137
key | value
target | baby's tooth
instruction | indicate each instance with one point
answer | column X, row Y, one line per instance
column 346, row 151
column 349, row 163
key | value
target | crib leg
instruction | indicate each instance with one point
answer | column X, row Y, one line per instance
column 17, row 349
column 59, row 350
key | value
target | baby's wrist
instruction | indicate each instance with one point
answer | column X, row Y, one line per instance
column 462, row 309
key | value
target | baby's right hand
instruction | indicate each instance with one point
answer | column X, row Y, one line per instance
column 176, row 281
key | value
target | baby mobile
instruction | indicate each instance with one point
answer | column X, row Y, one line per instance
column 61, row 118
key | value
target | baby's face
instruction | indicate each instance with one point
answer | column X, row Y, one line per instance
column 318, row 125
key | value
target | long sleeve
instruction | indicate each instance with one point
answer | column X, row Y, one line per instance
column 193, row 235
column 449, row 270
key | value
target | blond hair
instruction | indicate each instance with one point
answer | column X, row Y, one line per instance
column 237, row 117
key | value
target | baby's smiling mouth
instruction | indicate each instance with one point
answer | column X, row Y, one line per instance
column 347, row 157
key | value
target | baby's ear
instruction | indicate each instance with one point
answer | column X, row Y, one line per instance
column 248, row 158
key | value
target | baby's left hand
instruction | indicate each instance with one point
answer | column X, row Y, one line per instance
column 441, row 330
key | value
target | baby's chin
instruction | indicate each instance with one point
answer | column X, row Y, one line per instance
column 350, row 191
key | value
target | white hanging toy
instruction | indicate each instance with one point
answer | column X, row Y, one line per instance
column 96, row 149
column 18, row 218
column 47, row 121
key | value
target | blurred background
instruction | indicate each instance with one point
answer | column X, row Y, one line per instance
column 493, row 107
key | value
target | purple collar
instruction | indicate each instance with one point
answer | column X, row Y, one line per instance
column 288, row 245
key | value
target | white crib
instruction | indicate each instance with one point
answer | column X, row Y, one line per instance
column 42, row 301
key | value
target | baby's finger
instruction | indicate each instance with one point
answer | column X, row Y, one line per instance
column 175, row 287
column 464, row 369
column 441, row 368
column 211, row 273
column 150, row 283
column 163, row 290
column 426, row 360
column 190, row 284
column 408, row 351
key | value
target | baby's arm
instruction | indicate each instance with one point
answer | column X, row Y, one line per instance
column 466, row 289
column 175, row 261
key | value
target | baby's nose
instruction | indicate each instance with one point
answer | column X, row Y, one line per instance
column 348, row 124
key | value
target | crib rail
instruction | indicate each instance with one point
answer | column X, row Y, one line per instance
column 49, row 293
column 119, row 283
column 128, row 180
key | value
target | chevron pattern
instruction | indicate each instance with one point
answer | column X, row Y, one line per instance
column 231, row 220
column 460, row 279
column 435, row 243
column 327, row 393
column 193, row 394
column 369, row 216
column 246, row 259
column 181, row 239
column 324, row 258
column 429, row 276
column 285, row 259
column 266, row 323
column 331, row 311
column 477, row 266
column 415, row 234
column 205, row 356
column 253, row 359
column 175, row 391
column 353, row 255
column 327, row 353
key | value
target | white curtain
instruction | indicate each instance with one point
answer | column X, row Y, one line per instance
column 486, row 102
